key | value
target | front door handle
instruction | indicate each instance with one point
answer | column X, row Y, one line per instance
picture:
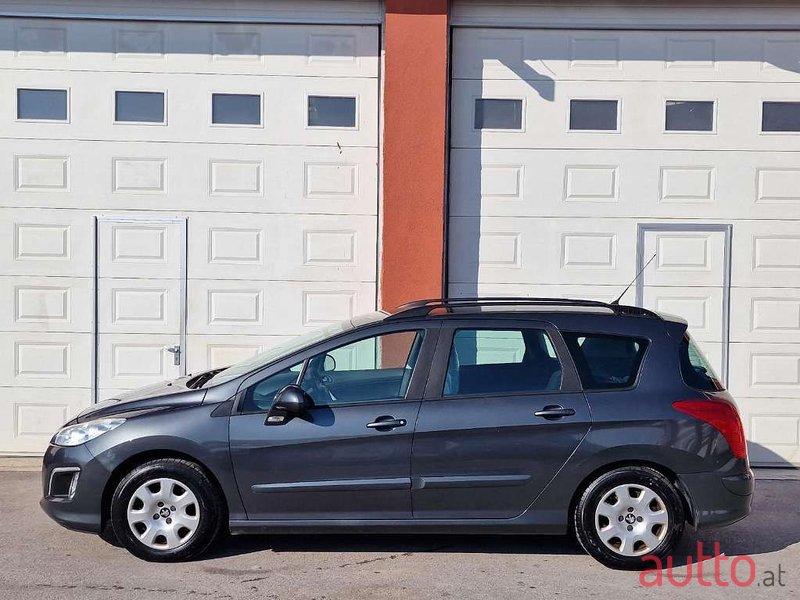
column 386, row 423
column 176, row 353
column 552, row 412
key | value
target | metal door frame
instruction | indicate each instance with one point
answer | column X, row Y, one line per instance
column 182, row 286
column 727, row 230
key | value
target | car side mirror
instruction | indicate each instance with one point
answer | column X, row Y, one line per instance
column 291, row 401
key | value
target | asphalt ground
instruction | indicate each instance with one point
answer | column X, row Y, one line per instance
column 39, row 559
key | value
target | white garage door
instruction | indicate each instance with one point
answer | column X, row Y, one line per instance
column 224, row 176
column 577, row 152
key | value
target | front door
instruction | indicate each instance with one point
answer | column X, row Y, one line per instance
column 140, row 300
column 497, row 423
column 349, row 456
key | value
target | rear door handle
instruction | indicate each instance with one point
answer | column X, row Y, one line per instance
column 386, row 423
column 554, row 411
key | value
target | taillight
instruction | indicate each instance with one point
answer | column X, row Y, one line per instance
column 720, row 415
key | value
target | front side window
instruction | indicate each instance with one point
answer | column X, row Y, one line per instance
column 331, row 111
column 593, row 115
column 378, row 368
column 697, row 372
column 42, row 105
column 139, row 107
column 259, row 398
column 606, row 362
column 236, row 109
column 494, row 361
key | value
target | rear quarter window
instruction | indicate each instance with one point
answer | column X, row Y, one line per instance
column 606, row 362
column 696, row 371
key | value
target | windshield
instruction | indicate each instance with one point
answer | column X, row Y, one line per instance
column 291, row 346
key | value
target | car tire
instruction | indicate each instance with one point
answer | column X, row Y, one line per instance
column 167, row 510
column 627, row 514
column 108, row 536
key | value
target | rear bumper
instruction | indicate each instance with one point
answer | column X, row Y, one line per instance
column 716, row 500
column 81, row 508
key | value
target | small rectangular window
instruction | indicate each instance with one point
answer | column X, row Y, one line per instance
column 331, row 111
column 593, row 115
column 684, row 115
column 492, row 361
column 496, row 113
column 606, row 362
column 236, row 109
column 139, row 107
column 42, row 105
column 780, row 116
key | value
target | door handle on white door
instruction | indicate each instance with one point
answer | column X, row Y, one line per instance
column 176, row 353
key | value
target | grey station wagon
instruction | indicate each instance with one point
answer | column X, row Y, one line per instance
column 492, row 415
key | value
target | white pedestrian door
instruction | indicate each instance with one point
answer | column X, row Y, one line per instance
column 688, row 277
column 141, row 267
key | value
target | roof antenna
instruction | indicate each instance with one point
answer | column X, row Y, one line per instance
column 625, row 291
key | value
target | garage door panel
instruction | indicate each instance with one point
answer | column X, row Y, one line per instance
column 33, row 415
column 45, row 304
column 772, row 427
column 214, row 351
column 766, row 254
column 195, row 177
column 275, row 247
column 246, row 49
column 625, row 183
column 45, row 359
column 128, row 361
column 765, row 314
column 702, row 307
column 766, row 370
column 272, row 308
column 46, row 242
column 139, row 306
column 541, row 250
column 640, row 114
column 625, row 55
column 187, row 108
column 600, row 293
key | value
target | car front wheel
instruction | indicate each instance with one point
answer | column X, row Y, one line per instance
column 166, row 510
column 627, row 514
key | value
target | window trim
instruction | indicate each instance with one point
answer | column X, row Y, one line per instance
column 714, row 116
column 261, row 108
column 762, row 102
column 66, row 89
column 523, row 115
column 617, row 99
column 164, row 95
column 639, row 371
column 324, row 94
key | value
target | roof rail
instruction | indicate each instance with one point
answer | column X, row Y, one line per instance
column 422, row 308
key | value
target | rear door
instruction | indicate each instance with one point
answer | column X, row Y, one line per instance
column 502, row 413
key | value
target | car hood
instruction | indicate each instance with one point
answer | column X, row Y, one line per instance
column 158, row 395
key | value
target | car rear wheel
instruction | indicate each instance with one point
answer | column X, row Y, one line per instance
column 627, row 514
column 166, row 510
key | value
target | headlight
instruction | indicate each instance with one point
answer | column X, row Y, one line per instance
column 75, row 435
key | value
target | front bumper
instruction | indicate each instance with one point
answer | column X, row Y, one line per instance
column 81, row 508
column 717, row 499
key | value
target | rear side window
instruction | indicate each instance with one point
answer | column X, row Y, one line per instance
column 696, row 371
column 606, row 362
column 501, row 361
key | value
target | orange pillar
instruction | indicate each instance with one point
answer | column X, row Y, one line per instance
column 414, row 151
